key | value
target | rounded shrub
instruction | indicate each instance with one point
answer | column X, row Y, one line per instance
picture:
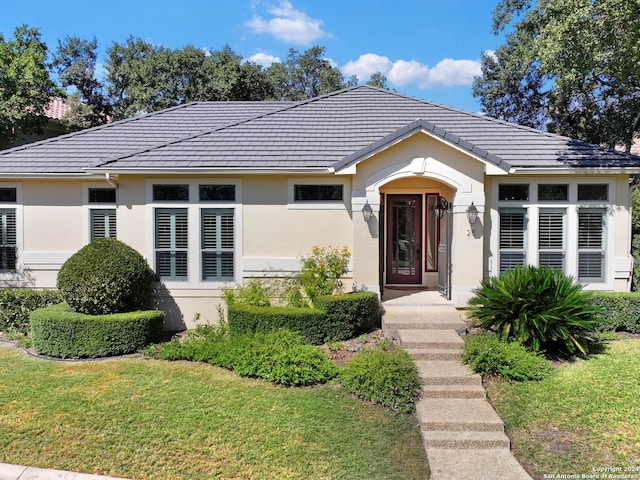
column 540, row 308
column 106, row 276
column 386, row 376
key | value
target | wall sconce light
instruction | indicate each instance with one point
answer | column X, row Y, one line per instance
column 367, row 211
column 442, row 207
column 472, row 213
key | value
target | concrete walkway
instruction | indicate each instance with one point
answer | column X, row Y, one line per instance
column 19, row 472
column 463, row 435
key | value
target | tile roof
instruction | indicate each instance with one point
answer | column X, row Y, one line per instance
column 332, row 131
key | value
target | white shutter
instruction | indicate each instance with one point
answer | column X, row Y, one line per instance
column 551, row 235
column 591, row 244
column 8, row 245
column 512, row 238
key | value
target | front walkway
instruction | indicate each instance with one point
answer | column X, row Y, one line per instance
column 19, row 472
column 463, row 435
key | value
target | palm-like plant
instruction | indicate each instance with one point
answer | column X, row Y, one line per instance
column 541, row 308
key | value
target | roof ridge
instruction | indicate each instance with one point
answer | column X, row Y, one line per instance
column 98, row 127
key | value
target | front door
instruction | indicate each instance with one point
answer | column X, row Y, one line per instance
column 404, row 234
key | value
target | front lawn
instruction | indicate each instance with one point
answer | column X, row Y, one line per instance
column 149, row 419
column 584, row 416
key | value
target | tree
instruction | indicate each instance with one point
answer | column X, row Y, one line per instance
column 25, row 86
column 572, row 65
column 377, row 79
column 75, row 61
column 305, row 76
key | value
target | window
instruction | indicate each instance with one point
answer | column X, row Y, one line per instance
column 8, row 195
column 218, row 234
column 512, row 238
column 103, row 223
column 102, row 195
column 593, row 192
column 518, row 191
column 8, row 243
column 217, row 193
column 318, row 193
column 552, row 192
column 171, row 243
column 551, row 238
column 171, row 193
column 591, row 244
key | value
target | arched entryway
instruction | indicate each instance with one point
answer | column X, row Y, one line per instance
column 415, row 233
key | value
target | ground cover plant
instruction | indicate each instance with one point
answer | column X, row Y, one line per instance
column 150, row 419
column 489, row 356
column 585, row 415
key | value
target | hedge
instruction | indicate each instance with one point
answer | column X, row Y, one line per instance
column 59, row 332
column 618, row 311
column 16, row 304
column 349, row 314
column 308, row 322
column 337, row 317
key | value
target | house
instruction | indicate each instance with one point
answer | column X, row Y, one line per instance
column 215, row 193
column 54, row 112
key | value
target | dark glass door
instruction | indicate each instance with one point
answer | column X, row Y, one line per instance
column 404, row 234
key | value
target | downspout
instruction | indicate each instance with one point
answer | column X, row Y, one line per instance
column 111, row 180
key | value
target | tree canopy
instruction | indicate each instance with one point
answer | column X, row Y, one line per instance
column 572, row 66
column 25, row 85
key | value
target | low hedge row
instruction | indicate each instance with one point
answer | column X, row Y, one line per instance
column 57, row 331
column 618, row 311
column 338, row 317
column 16, row 304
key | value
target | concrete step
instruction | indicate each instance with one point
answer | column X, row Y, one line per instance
column 438, row 372
column 423, row 318
column 434, row 354
column 472, row 440
column 454, row 414
column 454, row 391
column 448, row 339
column 476, row 464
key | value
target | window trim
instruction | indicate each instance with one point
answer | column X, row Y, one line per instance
column 87, row 207
column 343, row 204
column 17, row 206
column 194, row 206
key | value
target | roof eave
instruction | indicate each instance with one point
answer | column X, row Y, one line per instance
column 211, row 171
column 603, row 170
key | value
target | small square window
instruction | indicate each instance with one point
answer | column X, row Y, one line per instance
column 171, row 193
column 593, row 191
column 318, row 193
column 8, row 195
column 515, row 191
column 102, row 195
column 217, row 193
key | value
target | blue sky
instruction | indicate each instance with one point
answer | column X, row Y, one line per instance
column 426, row 48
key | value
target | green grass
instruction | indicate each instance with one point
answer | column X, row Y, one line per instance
column 150, row 419
column 585, row 415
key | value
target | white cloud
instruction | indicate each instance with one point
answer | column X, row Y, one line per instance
column 263, row 59
column 288, row 24
column 447, row 72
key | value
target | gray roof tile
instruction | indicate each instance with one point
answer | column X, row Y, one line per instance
column 332, row 131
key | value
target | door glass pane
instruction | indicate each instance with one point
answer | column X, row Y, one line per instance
column 404, row 238
column 432, row 235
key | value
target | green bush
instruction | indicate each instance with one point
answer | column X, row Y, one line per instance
column 308, row 322
column 618, row 311
column 538, row 307
column 337, row 317
column 106, row 276
column 16, row 304
column 59, row 332
column 386, row 376
column 488, row 356
column 350, row 314
column 280, row 357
